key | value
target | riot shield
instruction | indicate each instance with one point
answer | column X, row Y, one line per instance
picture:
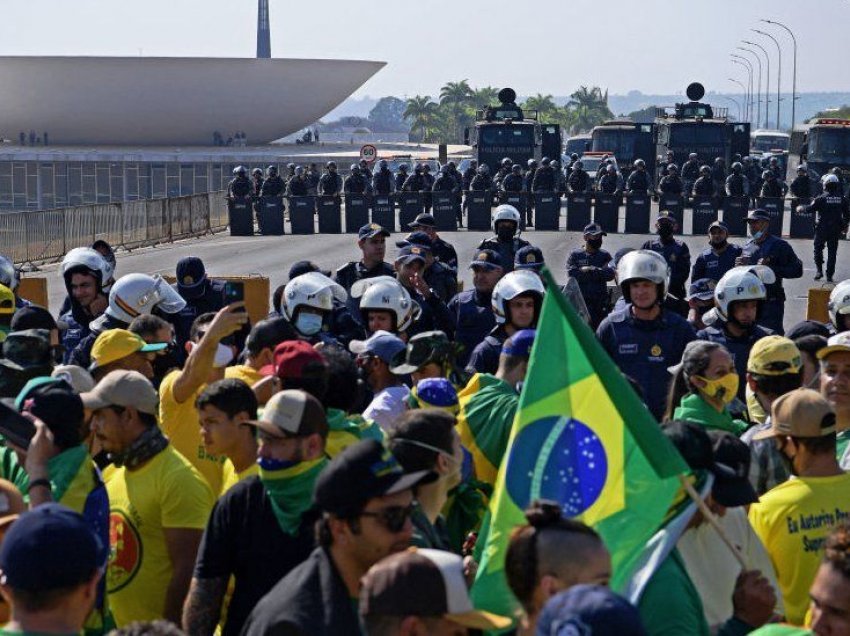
column 240, row 216
column 410, row 206
column 478, row 213
column 547, row 207
column 606, row 211
column 735, row 215
column 517, row 199
column 301, row 213
column 638, row 207
column 444, row 211
column 775, row 208
column 383, row 211
column 705, row 213
column 572, row 292
column 329, row 214
column 270, row 216
column 356, row 212
column 674, row 204
column 802, row 223
column 578, row 211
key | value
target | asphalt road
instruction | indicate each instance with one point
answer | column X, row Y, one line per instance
column 272, row 257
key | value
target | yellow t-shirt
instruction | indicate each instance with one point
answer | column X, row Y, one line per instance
column 180, row 422
column 167, row 492
column 248, row 375
column 792, row 521
column 231, row 477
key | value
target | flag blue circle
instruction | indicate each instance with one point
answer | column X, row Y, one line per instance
column 574, row 472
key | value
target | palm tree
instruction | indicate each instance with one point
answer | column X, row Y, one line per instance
column 456, row 98
column 590, row 107
column 420, row 112
column 543, row 104
column 483, row 97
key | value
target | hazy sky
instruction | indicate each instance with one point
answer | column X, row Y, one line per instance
column 546, row 46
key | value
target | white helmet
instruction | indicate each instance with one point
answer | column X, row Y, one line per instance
column 385, row 293
column 505, row 212
column 830, row 178
column 643, row 265
column 738, row 284
column 9, row 276
column 312, row 289
column 512, row 285
column 89, row 261
column 136, row 294
column 839, row 302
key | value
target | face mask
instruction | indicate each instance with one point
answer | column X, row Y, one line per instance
column 308, row 324
column 757, row 235
column 267, row 463
column 665, row 231
column 505, row 232
column 724, row 388
column 223, row 355
column 594, row 243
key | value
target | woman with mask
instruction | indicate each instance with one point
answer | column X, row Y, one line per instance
column 704, row 384
column 308, row 301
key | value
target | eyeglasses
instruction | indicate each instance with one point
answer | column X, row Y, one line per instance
column 363, row 359
column 392, row 518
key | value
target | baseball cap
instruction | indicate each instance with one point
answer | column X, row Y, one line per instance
column 79, row 379
column 701, row 289
column 529, row 257
column 758, row 215
column 54, row 402
column 437, row 393
column 807, row 328
column 838, row 342
column 123, row 388
column 371, row 230
column 191, row 276
column 423, row 220
column 293, row 413
column 594, row 229
column 48, row 548
column 419, row 239
column 290, row 359
column 774, row 355
column 410, row 253
column 488, row 259
column 116, row 344
column 732, row 485
column 304, row 267
column 520, row 343
column 718, row 225
column 27, row 349
column 7, row 301
column 33, row 317
column 381, row 343
column 666, row 215
column 361, row 472
column 589, row 609
column 800, row 413
column 437, row 577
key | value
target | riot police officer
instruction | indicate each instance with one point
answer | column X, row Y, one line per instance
column 256, row 182
column 801, row 187
column 481, row 181
column 445, row 182
column 383, row 181
column 752, row 174
column 416, row 181
column 469, row 173
column 371, row 239
column 506, row 242
column 611, row 182
column 240, row 186
column 671, row 183
column 737, row 185
column 471, row 309
column 297, row 186
column 365, row 170
column 313, row 177
column 544, row 178
column 765, row 249
column 331, row 182
column 674, row 251
column 513, row 182
column 531, row 170
column 273, row 186
column 719, row 257
column 579, row 180
column 833, row 217
column 643, row 338
column 704, row 186
column 427, row 186
column 573, row 158
column 443, row 252
column 357, row 182
column 774, row 166
column 718, row 173
column 560, row 179
column 290, row 170
column 591, row 267
column 639, row 181
column 401, row 177
column 504, row 170
column 691, row 171
column 771, row 186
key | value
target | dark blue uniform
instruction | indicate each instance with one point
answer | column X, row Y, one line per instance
column 739, row 348
column 81, row 355
column 435, row 315
column 442, row 280
column 273, row 187
column 780, row 257
column 330, row 183
column 73, row 334
column 513, row 183
column 643, row 349
column 383, row 181
column 355, row 184
column 579, row 181
column 444, row 253
column 485, row 356
column 638, row 182
column 703, row 187
column 671, row 184
column 210, row 301
column 678, row 257
column 833, row 216
column 505, row 249
column 592, row 283
column 544, row 180
column 710, row 264
column 240, row 187
column 400, row 178
column 474, row 319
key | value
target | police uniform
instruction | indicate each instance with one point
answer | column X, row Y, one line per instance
column 712, row 264
column 785, row 264
column 609, row 183
column 353, row 271
column 485, row 356
column 444, row 183
column 703, row 187
column 258, row 186
column 678, row 257
column 473, row 318
column 297, row 187
column 739, row 348
column 414, row 183
column 75, row 331
column 638, row 182
column 442, row 280
column 737, row 185
column 400, row 179
column 544, row 180
column 356, row 184
column 481, row 182
column 383, row 182
column 690, row 171
column 801, row 187
column 772, row 189
column 592, row 283
column 239, row 187
column 671, row 184
column 81, row 355
column 210, row 300
column 330, row 184
column 579, row 181
column 513, row 183
column 273, row 187
column 833, row 217
column 505, row 249
column 468, row 176
column 644, row 349
column 444, row 253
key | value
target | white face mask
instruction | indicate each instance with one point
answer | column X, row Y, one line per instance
column 308, row 324
column 223, row 355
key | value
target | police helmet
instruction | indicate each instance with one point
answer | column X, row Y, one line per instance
column 426, row 167
column 693, row 155
column 382, row 163
column 257, row 171
column 611, row 169
column 802, row 169
column 574, row 156
column 831, row 178
column 578, row 165
column 516, row 168
column 9, row 276
column 672, row 168
column 505, row 212
column 272, row 170
column 531, row 163
column 444, row 169
column 703, row 169
column 737, row 167
column 555, row 164
column 544, row 161
column 507, row 162
column 385, row 293
column 451, row 165
column 290, row 166
column 85, row 260
column 240, row 171
column 839, row 303
column 514, row 284
column 774, row 161
column 482, row 169
column 312, row 289
column 719, row 160
column 299, row 170
column 417, row 167
column 643, row 265
column 136, row 294
column 836, row 171
column 768, row 174
column 330, row 164
column 640, row 163
column 354, row 167
column 403, row 167
column 738, row 284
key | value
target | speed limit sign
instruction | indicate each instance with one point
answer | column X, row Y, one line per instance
column 369, row 153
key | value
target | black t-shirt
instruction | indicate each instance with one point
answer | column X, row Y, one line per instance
column 243, row 539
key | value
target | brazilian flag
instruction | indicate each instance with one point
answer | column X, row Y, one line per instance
column 581, row 437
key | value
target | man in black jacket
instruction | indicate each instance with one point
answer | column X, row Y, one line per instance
column 366, row 501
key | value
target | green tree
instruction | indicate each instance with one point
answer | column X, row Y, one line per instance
column 486, row 96
column 590, row 106
column 421, row 113
column 388, row 115
column 544, row 104
column 457, row 103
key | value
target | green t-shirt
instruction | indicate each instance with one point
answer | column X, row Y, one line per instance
column 12, row 471
column 842, row 440
column 671, row 587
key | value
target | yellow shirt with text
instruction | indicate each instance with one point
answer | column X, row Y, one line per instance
column 180, row 422
column 167, row 492
column 792, row 521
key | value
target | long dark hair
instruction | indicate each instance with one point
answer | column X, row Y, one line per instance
column 695, row 361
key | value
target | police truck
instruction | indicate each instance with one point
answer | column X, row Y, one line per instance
column 627, row 141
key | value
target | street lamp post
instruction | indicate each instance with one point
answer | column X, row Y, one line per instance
column 736, row 102
column 778, row 73
column 746, row 96
column 748, row 66
column 766, row 80
column 758, row 90
column 794, row 80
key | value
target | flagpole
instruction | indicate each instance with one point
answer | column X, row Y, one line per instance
column 709, row 516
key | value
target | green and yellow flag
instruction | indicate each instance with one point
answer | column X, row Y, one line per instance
column 581, row 437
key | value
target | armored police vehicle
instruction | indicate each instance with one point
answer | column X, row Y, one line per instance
column 627, row 141
column 698, row 127
column 824, row 144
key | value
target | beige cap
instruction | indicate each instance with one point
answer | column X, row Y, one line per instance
column 123, row 388
column 77, row 377
column 838, row 342
column 800, row 413
column 293, row 413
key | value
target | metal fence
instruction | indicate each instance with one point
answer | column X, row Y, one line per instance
column 47, row 235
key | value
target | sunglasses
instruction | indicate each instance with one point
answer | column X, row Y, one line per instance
column 392, row 518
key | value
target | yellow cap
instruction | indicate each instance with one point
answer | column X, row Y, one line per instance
column 115, row 344
column 774, row 355
column 7, row 301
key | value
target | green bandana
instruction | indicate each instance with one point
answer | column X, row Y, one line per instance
column 291, row 491
column 694, row 408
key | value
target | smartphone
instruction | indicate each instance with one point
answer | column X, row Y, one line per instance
column 16, row 428
column 234, row 292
